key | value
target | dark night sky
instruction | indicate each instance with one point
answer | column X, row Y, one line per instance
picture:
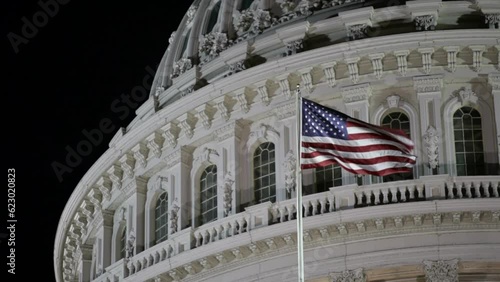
column 61, row 81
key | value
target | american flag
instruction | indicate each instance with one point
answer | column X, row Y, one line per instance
column 331, row 137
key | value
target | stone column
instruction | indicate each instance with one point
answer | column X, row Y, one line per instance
column 104, row 236
column 179, row 189
column 428, row 89
column 86, row 262
column 135, row 215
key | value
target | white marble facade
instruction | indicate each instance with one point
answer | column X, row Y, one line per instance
column 230, row 90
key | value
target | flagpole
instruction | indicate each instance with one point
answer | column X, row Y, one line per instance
column 298, row 185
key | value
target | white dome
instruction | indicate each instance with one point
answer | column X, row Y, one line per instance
column 200, row 186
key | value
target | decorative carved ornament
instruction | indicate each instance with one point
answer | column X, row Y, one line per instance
column 427, row 84
column 357, row 31
column 191, row 13
column 181, row 66
column 289, row 166
column 212, row 44
column 227, row 188
column 174, row 216
column 467, row 96
column 356, row 275
column 431, row 139
column 441, row 270
column 356, row 93
column 394, row 101
column 425, row 22
column 265, row 131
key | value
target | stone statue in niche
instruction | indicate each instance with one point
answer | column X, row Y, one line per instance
column 289, row 166
column 174, row 216
column 228, row 193
column 129, row 247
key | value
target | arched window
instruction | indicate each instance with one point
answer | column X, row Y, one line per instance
column 161, row 213
column 468, row 141
column 123, row 243
column 264, row 173
column 208, row 194
column 328, row 176
column 213, row 17
column 399, row 121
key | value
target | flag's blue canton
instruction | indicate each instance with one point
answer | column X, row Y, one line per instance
column 321, row 121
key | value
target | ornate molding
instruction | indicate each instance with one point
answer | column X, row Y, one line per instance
column 494, row 81
column 356, row 275
column 441, row 270
column 493, row 20
column 452, row 52
column 263, row 93
column 477, row 56
column 205, row 155
column 356, row 93
column 352, row 65
column 467, row 96
column 186, row 124
column 294, row 47
column 284, row 85
column 232, row 129
column 141, row 154
column 104, row 185
column 265, row 131
column 426, row 58
column 425, row 22
column 205, row 112
column 427, row 84
column 285, row 111
column 289, row 167
column 242, row 97
column 115, row 173
column 329, row 71
column 221, row 105
column 171, row 39
column 170, row 133
column 154, row 142
column 432, row 139
column 402, row 58
column 179, row 156
column 181, row 66
column 357, row 31
column 128, row 164
column 212, row 44
column 306, row 77
column 377, row 64
column 394, row 101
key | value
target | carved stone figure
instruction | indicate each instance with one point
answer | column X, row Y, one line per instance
column 289, row 166
column 431, row 139
column 228, row 193
column 130, row 245
column 174, row 216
